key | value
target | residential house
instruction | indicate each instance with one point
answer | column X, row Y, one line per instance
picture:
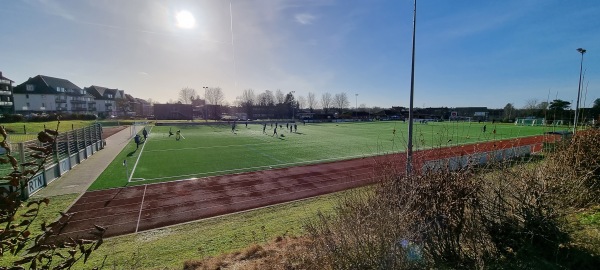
column 44, row 94
column 6, row 95
column 106, row 105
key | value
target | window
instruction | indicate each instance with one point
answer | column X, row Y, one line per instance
column 30, row 87
column 26, row 95
column 27, row 104
column 110, row 96
column 44, row 97
column 43, row 104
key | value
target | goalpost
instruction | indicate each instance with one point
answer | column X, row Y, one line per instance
column 530, row 122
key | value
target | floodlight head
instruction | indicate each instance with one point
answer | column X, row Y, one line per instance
column 581, row 50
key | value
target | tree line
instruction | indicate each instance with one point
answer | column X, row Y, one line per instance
column 266, row 104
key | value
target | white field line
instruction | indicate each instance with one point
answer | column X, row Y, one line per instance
column 138, row 159
column 141, row 206
column 205, row 147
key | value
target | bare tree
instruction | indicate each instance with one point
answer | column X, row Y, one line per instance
column 248, row 97
column 265, row 99
column 509, row 112
column 247, row 101
column 301, row 102
column 216, row 98
column 340, row 101
column 279, row 97
column 186, row 94
column 312, row 101
column 326, row 101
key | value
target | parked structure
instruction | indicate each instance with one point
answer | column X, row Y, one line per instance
column 6, row 95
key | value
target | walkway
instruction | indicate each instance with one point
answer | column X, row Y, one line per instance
column 80, row 177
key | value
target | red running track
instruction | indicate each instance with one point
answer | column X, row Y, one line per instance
column 140, row 208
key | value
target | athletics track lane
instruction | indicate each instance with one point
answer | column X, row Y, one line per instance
column 139, row 208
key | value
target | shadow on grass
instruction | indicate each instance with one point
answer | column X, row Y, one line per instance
column 130, row 154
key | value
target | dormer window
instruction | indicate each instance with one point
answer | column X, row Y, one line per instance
column 83, row 92
column 30, row 87
column 110, row 96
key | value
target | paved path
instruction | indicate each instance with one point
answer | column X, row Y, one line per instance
column 78, row 179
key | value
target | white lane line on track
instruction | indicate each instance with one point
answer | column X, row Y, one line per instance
column 141, row 205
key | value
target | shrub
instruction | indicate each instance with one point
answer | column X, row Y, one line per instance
column 506, row 214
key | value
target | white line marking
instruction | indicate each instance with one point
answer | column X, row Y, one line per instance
column 205, row 147
column 141, row 205
column 137, row 160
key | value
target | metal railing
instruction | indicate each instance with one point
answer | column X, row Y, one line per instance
column 70, row 149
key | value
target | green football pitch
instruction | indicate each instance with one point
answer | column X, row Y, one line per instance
column 208, row 150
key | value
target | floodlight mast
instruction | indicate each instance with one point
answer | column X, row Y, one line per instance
column 409, row 152
column 582, row 51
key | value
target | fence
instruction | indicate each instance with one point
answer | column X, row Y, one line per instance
column 70, row 149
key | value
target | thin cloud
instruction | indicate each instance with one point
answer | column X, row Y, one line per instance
column 143, row 73
column 305, row 18
column 52, row 7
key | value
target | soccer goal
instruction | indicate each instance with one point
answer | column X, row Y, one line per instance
column 530, row 121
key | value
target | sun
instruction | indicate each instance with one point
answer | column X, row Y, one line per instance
column 185, row 19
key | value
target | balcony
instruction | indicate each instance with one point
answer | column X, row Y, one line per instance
column 78, row 101
column 6, row 103
column 92, row 109
column 60, row 100
column 2, row 81
column 78, row 109
column 5, row 93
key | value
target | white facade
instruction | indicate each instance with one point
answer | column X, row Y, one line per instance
column 34, row 102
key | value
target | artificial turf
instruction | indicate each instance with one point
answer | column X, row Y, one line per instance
column 208, row 150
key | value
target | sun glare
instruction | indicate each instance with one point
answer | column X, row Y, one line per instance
column 185, row 19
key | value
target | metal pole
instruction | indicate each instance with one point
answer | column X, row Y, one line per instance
column 409, row 152
column 205, row 104
column 356, row 105
column 582, row 51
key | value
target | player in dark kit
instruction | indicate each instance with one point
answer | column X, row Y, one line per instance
column 136, row 139
column 170, row 133
column 275, row 131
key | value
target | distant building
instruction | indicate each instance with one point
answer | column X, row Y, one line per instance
column 105, row 99
column 173, row 112
column 6, row 95
column 142, row 108
column 44, row 94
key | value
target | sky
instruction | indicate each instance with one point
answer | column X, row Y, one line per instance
column 468, row 53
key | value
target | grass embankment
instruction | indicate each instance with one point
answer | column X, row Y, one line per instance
column 46, row 214
column 169, row 248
